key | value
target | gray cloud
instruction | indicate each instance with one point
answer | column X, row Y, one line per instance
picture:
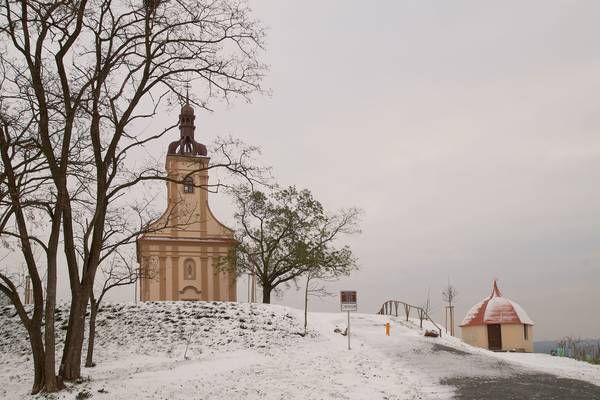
column 467, row 131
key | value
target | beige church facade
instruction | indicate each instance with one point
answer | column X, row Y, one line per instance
column 179, row 256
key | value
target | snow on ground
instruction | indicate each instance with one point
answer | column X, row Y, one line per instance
column 254, row 351
column 135, row 337
column 207, row 326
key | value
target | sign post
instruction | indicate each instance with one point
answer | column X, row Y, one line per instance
column 348, row 303
column 348, row 330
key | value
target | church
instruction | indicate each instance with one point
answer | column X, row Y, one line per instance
column 179, row 254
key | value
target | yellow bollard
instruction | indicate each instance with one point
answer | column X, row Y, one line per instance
column 387, row 329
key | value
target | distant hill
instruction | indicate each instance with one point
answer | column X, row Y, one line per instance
column 546, row 345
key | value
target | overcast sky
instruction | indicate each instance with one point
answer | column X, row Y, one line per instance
column 468, row 132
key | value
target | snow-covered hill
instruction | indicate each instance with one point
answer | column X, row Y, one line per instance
column 143, row 333
column 165, row 328
column 253, row 351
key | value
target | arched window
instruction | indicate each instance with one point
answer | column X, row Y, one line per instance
column 188, row 185
column 189, row 269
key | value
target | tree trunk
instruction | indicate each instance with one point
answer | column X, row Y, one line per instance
column 70, row 367
column 34, row 332
column 266, row 292
column 452, row 321
column 89, row 359
column 51, row 383
column 306, row 304
column 37, row 348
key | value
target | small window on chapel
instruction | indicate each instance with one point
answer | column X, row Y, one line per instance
column 525, row 333
column 188, row 185
column 189, row 269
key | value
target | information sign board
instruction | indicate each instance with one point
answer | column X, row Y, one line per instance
column 348, row 300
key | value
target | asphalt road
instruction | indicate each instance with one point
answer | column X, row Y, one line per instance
column 517, row 385
column 473, row 375
column 523, row 386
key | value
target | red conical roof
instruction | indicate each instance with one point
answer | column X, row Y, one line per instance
column 496, row 309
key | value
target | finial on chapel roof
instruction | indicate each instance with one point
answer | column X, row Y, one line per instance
column 495, row 291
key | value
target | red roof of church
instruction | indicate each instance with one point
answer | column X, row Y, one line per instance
column 496, row 309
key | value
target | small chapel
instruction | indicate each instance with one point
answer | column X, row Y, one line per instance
column 498, row 324
column 180, row 254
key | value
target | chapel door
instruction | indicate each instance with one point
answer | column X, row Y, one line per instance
column 494, row 337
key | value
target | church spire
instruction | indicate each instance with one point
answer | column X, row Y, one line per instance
column 186, row 145
column 186, row 121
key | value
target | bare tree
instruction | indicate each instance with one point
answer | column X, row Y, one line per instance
column 30, row 223
column 582, row 350
column 119, row 261
column 121, row 270
column 425, row 310
column 327, row 271
column 427, row 304
column 448, row 296
column 573, row 347
column 118, row 267
column 77, row 79
column 315, row 288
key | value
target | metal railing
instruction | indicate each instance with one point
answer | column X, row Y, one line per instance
column 390, row 307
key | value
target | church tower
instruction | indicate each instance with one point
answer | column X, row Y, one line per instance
column 179, row 255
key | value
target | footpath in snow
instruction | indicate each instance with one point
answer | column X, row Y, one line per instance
column 212, row 350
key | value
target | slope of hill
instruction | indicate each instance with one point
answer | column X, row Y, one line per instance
column 252, row 351
column 163, row 328
column 143, row 334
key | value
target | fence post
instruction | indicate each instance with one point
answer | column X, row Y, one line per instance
column 390, row 307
